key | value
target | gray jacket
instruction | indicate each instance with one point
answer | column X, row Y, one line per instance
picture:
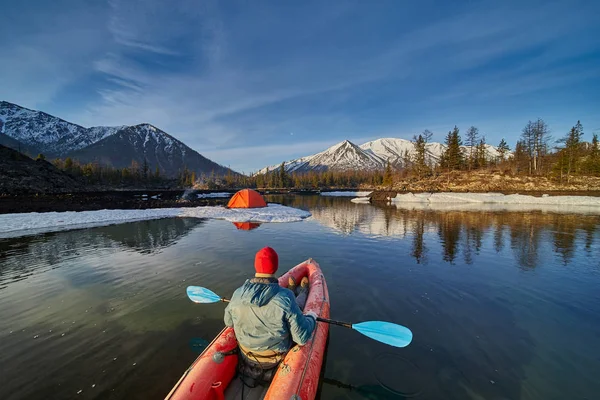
column 265, row 316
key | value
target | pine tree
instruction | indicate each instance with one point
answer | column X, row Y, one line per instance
column 315, row 181
column 135, row 170
column 452, row 156
column 68, row 164
column 260, row 180
column 273, row 180
column 572, row 142
column 283, row 178
column 388, row 177
column 419, row 166
column 40, row 157
column 503, row 149
column 329, row 179
column 267, row 181
column 595, row 153
column 184, row 177
column 229, row 179
column 593, row 161
column 145, row 169
column 521, row 157
column 125, row 175
column 481, row 154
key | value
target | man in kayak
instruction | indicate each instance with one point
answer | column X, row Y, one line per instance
column 266, row 317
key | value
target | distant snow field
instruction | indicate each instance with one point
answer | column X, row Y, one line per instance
column 346, row 194
column 214, row 195
column 16, row 225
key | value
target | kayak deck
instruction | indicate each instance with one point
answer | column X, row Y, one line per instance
column 237, row 387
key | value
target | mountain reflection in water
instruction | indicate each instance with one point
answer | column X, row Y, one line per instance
column 461, row 233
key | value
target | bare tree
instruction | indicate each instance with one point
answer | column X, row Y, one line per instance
column 472, row 141
column 535, row 138
column 427, row 136
column 543, row 139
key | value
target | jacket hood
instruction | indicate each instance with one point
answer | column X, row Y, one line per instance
column 258, row 293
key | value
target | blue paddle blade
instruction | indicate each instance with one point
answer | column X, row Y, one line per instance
column 199, row 294
column 385, row 332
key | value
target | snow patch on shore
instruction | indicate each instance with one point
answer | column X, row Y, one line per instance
column 495, row 198
column 16, row 225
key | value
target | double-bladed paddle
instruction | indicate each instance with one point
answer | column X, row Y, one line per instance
column 384, row 332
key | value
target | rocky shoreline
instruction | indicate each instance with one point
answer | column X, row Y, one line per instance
column 496, row 181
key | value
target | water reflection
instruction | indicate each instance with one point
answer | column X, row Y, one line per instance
column 460, row 233
column 22, row 257
column 484, row 325
column 246, row 226
column 150, row 236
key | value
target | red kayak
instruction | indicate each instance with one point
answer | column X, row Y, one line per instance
column 214, row 374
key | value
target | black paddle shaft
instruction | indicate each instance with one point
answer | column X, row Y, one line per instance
column 334, row 322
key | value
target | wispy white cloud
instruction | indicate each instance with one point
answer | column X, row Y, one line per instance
column 144, row 46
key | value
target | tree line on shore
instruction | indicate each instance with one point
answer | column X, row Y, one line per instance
column 536, row 153
column 95, row 173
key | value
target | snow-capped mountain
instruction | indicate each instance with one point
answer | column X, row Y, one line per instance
column 394, row 150
column 370, row 156
column 146, row 142
column 342, row 156
column 53, row 135
column 37, row 132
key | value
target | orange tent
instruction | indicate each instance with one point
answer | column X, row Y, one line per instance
column 246, row 226
column 247, row 198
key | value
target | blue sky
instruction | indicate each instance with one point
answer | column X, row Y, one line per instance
column 253, row 83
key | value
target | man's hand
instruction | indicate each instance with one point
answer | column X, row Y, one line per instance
column 311, row 314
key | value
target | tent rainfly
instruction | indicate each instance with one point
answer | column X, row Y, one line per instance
column 247, row 198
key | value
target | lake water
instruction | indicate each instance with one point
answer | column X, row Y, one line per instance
column 502, row 305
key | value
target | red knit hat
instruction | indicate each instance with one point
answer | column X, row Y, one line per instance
column 266, row 261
